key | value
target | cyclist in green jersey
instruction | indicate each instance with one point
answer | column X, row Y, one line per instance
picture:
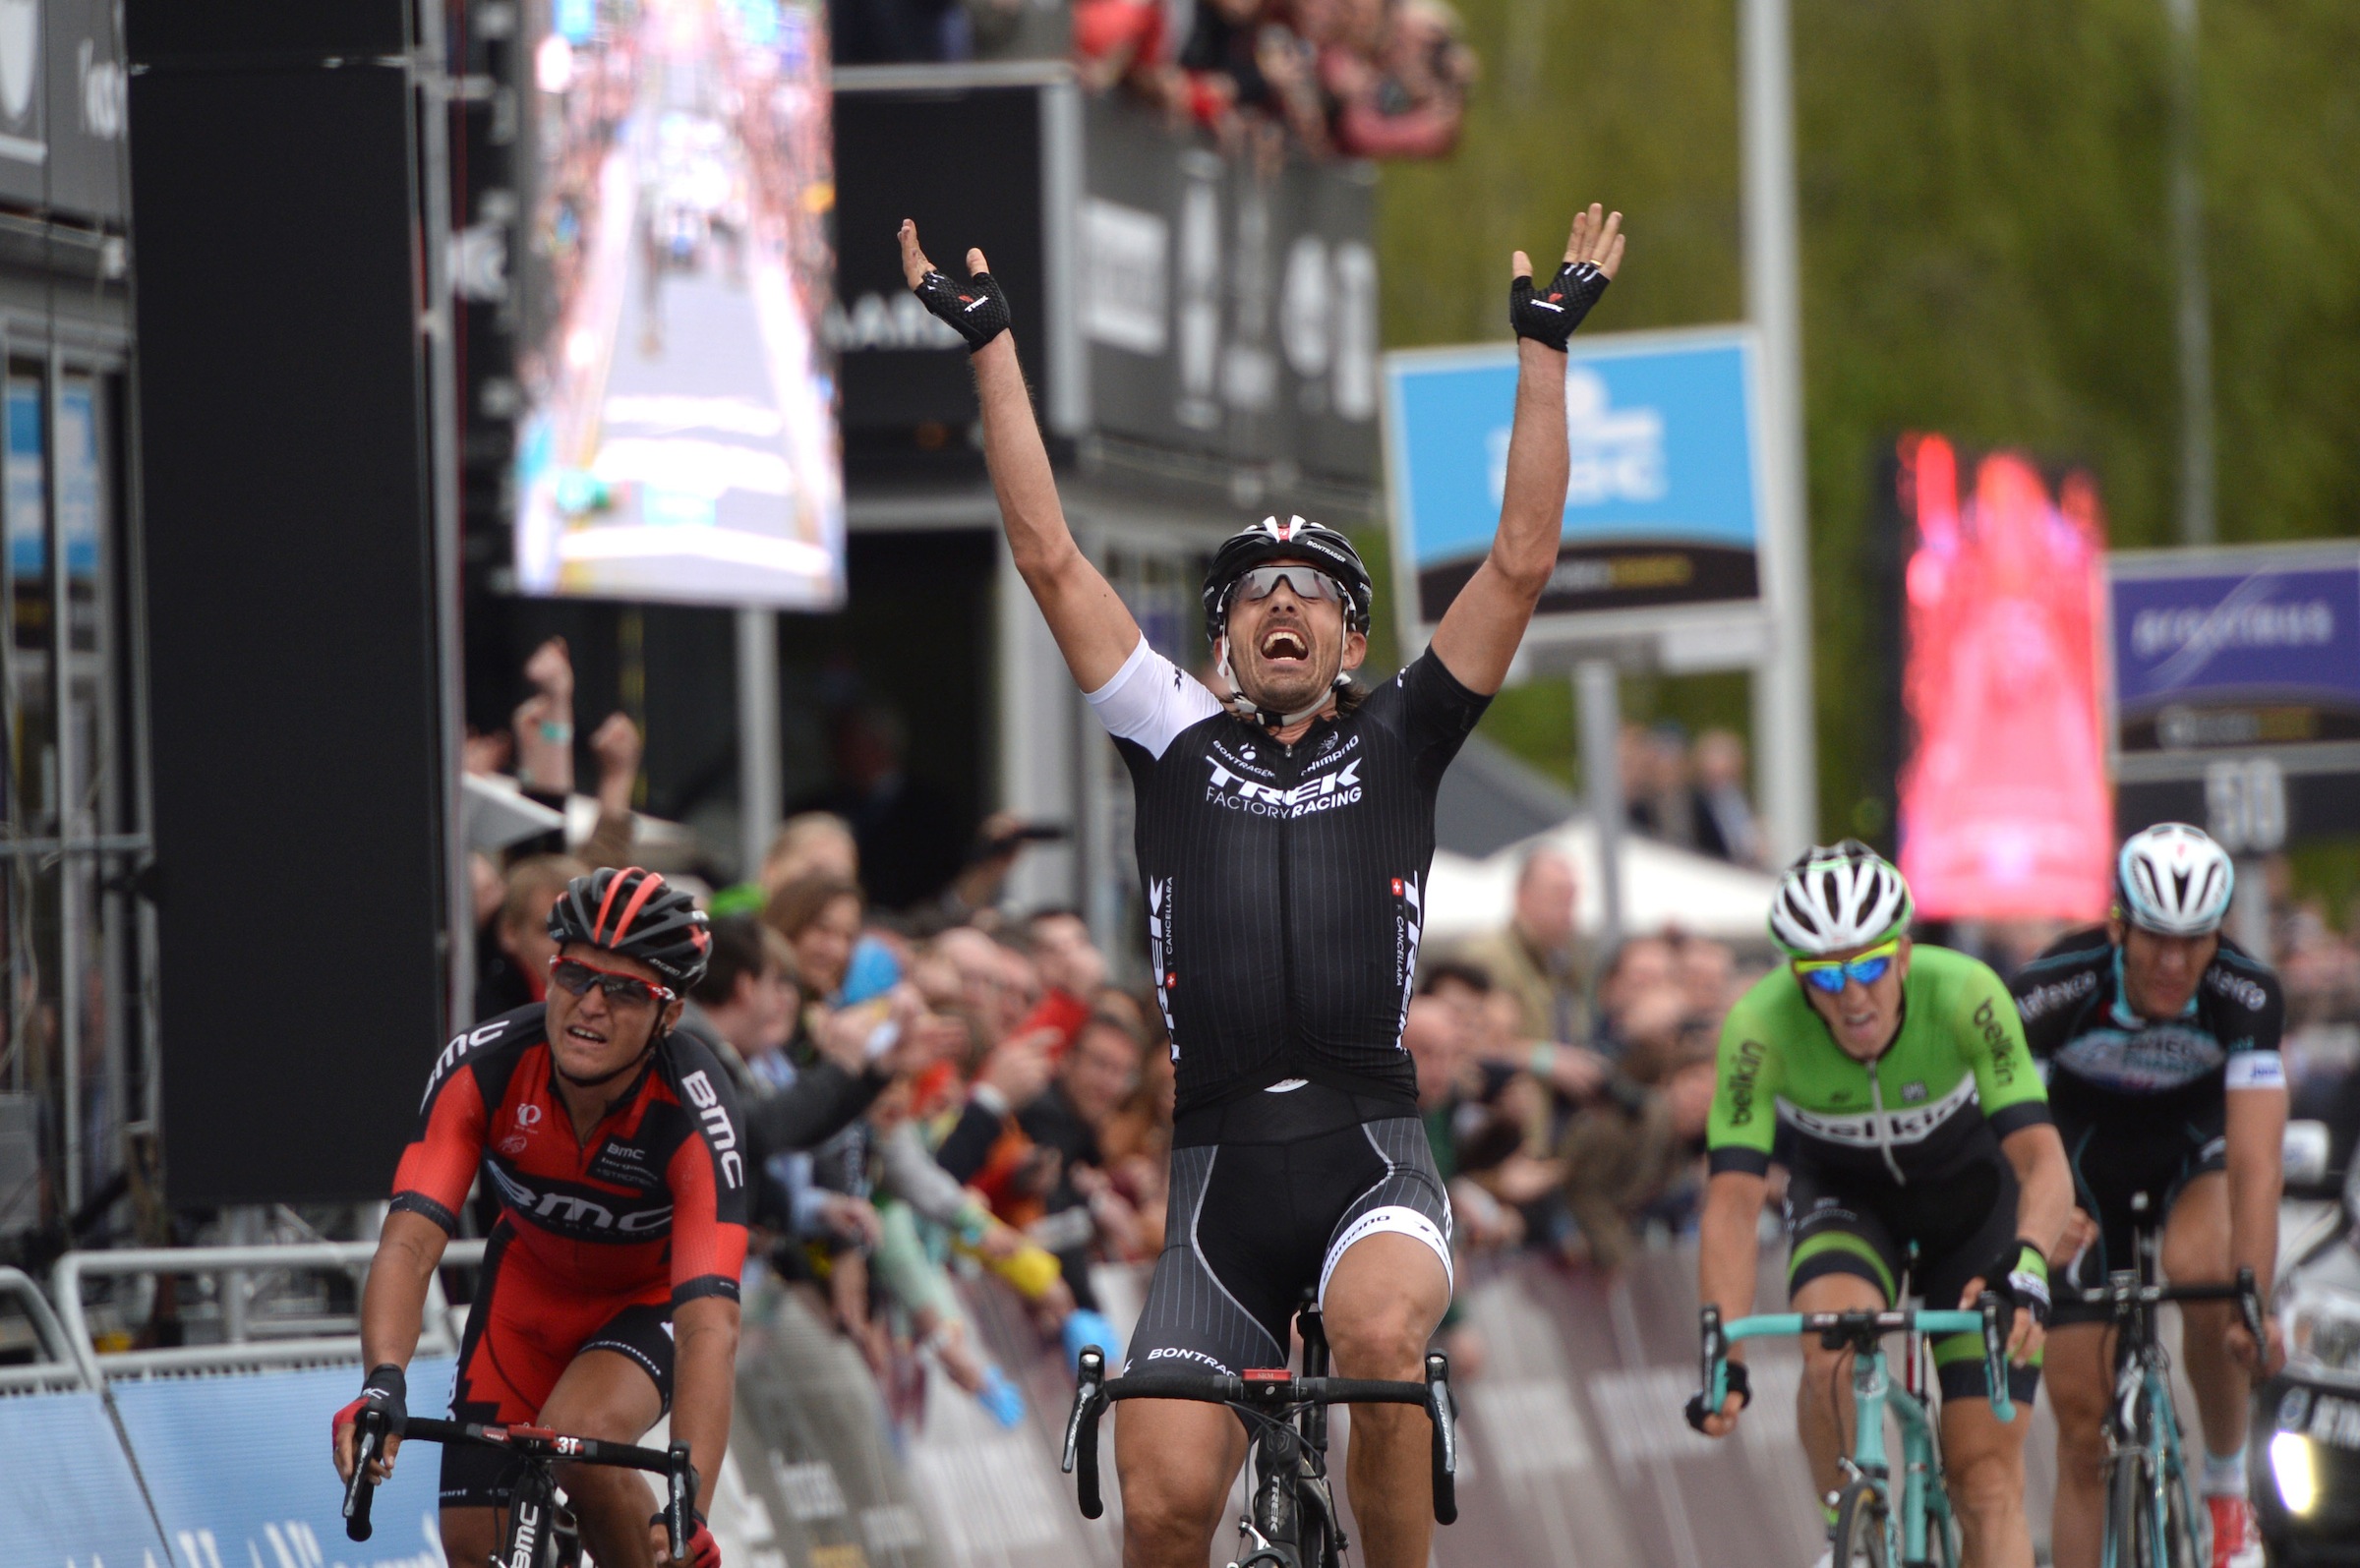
column 1891, row 1082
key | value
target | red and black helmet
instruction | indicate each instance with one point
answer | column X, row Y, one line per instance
column 635, row 912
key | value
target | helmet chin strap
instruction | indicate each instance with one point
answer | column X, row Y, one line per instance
column 1246, row 707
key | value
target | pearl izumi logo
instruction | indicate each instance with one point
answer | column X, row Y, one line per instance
column 1327, row 792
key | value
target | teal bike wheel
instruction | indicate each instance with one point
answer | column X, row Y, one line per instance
column 2132, row 1540
column 1863, row 1535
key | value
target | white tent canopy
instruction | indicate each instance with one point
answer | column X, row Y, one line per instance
column 1661, row 887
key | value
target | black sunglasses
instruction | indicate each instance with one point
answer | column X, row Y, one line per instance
column 578, row 977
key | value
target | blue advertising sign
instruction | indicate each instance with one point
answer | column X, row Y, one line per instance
column 68, row 1497
column 1663, row 505
column 2237, row 650
column 238, row 1466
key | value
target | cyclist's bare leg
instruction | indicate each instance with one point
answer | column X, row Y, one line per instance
column 469, row 1536
column 1176, row 1463
column 2077, row 1367
column 1823, row 1402
column 1983, row 1464
column 2195, row 1252
column 606, row 1394
column 1384, row 1302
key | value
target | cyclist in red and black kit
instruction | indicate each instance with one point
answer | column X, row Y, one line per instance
column 609, row 1291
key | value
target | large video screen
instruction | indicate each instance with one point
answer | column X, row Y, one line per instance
column 679, row 439
column 2006, row 810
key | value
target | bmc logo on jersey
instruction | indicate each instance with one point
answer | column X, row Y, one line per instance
column 564, row 1209
column 458, row 1048
column 718, row 1132
column 1327, row 792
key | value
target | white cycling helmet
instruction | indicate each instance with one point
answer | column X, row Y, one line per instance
column 1837, row 896
column 2174, row 879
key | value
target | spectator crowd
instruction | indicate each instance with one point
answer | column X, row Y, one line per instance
column 1374, row 78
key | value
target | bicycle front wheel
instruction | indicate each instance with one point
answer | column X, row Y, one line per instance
column 2131, row 1538
column 1863, row 1527
column 2183, row 1547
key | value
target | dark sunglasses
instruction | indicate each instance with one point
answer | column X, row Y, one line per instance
column 1308, row 582
column 578, row 977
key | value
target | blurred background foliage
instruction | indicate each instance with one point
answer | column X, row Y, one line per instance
column 1985, row 252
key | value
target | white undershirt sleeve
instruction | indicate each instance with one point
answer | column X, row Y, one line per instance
column 1150, row 700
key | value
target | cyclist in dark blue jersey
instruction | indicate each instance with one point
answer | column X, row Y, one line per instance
column 2160, row 1038
column 1286, row 828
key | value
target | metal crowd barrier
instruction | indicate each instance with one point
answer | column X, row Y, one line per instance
column 240, row 1347
column 59, row 1370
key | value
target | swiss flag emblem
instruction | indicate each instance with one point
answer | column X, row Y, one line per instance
column 1171, row 978
column 1396, row 887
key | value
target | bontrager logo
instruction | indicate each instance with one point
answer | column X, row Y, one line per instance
column 1339, row 788
column 1172, row 1353
column 718, row 1132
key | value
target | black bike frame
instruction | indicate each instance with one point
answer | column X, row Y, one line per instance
column 539, row 1449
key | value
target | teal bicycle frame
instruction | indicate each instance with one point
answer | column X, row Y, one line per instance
column 1925, row 1504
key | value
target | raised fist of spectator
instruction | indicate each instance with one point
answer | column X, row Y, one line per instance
column 617, row 746
column 1019, row 1071
column 549, row 668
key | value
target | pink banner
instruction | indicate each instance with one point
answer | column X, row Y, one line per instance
column 2005, row 807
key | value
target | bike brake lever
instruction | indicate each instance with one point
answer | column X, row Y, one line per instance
column 1445, row 1437
column 679, row 1496
column 1715, row 1380
column 2249, row 1308
column 360, row 1492
column 1995, row 1359
column 1080, row 1457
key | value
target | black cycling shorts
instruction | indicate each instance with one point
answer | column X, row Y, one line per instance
column 1269, row 1189
column 1957, row 1227
column 2154, row 1145
column 523, row 1330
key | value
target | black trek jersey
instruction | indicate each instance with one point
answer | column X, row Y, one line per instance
column 1286, row 885
column 2106, row 1062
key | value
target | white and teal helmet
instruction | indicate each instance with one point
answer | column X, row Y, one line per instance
column 1838, row 897
column 2174, row 879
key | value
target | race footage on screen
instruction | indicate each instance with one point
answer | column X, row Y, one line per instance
column 679, row 441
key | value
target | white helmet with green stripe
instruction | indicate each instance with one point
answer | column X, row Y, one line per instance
column 1838, row 897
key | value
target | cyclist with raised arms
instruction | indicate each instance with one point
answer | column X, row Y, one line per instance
column 1891, row 1080
column 609, row 1291
column 1286, row 828
column 2160, row 1037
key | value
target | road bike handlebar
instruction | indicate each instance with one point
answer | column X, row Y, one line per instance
column 1274, row 1393
column 2122, row 1291
column 528, row 1442
column 1862, row 1329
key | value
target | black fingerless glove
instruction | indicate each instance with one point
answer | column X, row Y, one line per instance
column 976, row 309
column 2020, row 1274
column 1740, row 1383
column 1550, row 317
column 386, row 1390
